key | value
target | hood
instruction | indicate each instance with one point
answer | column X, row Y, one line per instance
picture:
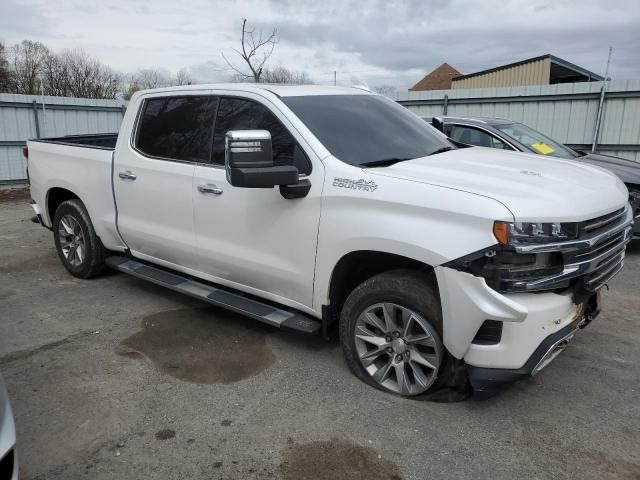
column 532, row 187
column 626, row 170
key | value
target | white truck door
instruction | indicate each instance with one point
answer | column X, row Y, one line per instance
column 153, row 176
column 253, row 239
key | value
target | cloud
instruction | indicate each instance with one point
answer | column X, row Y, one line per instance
column 211, row 72
column 399, row 36
column 389, row 42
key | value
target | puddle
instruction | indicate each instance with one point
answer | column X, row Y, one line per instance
column 202, row 345
column 336, row 459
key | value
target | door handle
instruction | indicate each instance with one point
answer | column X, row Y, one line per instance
column 210, row 188
column 127, row 175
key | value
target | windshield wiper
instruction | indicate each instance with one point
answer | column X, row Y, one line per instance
column 385, row 162
column 441, row 150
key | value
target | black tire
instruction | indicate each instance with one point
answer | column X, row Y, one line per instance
column 416, row 291
column 93, row 261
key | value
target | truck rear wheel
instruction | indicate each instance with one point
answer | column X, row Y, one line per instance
column 391, row 335
column 77, row 244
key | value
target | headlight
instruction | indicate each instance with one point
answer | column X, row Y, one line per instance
column 509, row 233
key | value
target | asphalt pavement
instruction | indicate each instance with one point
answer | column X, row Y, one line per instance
column 116, row 378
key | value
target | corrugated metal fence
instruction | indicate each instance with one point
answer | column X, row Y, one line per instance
column 565, row 112
column 28, row 116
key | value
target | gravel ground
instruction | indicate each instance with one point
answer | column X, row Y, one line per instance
column 118, row 378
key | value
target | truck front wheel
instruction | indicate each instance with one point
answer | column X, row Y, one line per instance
column 77, row 244
column 391, row 335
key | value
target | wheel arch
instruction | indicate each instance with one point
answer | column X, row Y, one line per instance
column 55, row 196
column 358, row 266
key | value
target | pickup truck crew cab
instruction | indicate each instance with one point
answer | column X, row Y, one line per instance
column 444, row 268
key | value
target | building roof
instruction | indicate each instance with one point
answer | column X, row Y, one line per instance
column 438, row 79
column 559, row 68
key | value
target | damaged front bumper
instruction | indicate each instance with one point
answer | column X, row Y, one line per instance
column 487, row 382
column 534, row 328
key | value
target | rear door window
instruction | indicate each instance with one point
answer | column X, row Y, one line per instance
column 177, row 128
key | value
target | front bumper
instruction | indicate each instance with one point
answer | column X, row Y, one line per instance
column 535, row 327
column 487, row 382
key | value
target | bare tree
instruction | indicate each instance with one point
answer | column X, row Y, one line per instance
column 6, row 80
column 183, row 77
column 149, row 78
column 74, row 74
column 255, row 51
column 25, row 62
column 55, row 76
column 282, row 74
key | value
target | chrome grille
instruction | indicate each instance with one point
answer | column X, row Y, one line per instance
column 600, row 222
column 594, row 258
column 601, row 262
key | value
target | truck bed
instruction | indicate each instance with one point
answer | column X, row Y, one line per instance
column 105, row 141
column 81, row 165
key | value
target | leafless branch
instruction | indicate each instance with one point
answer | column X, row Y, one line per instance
column 256, row 49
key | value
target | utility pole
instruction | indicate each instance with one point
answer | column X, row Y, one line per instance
column 334, row 77
column 596, row 132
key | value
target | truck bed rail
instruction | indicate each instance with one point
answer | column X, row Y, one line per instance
column 105, row 141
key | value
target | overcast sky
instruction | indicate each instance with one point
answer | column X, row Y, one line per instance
column 378, row 42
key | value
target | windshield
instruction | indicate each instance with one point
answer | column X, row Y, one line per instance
column 366, row 129
column 535, row 141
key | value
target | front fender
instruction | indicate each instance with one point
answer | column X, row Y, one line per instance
column 427, row 223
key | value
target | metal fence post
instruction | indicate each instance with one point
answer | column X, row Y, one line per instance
column 445, row 105
column 35, row 118
column 596, row 132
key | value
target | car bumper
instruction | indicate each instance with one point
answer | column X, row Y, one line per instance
column 8, row 456
column 487, row 382
column 535, row 327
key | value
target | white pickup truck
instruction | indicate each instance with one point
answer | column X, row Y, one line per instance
column 445, row 270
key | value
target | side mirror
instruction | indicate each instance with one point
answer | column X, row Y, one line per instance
column 249, row 161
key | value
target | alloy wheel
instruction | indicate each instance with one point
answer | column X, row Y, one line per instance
column 72, row 241
column 399, row 349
